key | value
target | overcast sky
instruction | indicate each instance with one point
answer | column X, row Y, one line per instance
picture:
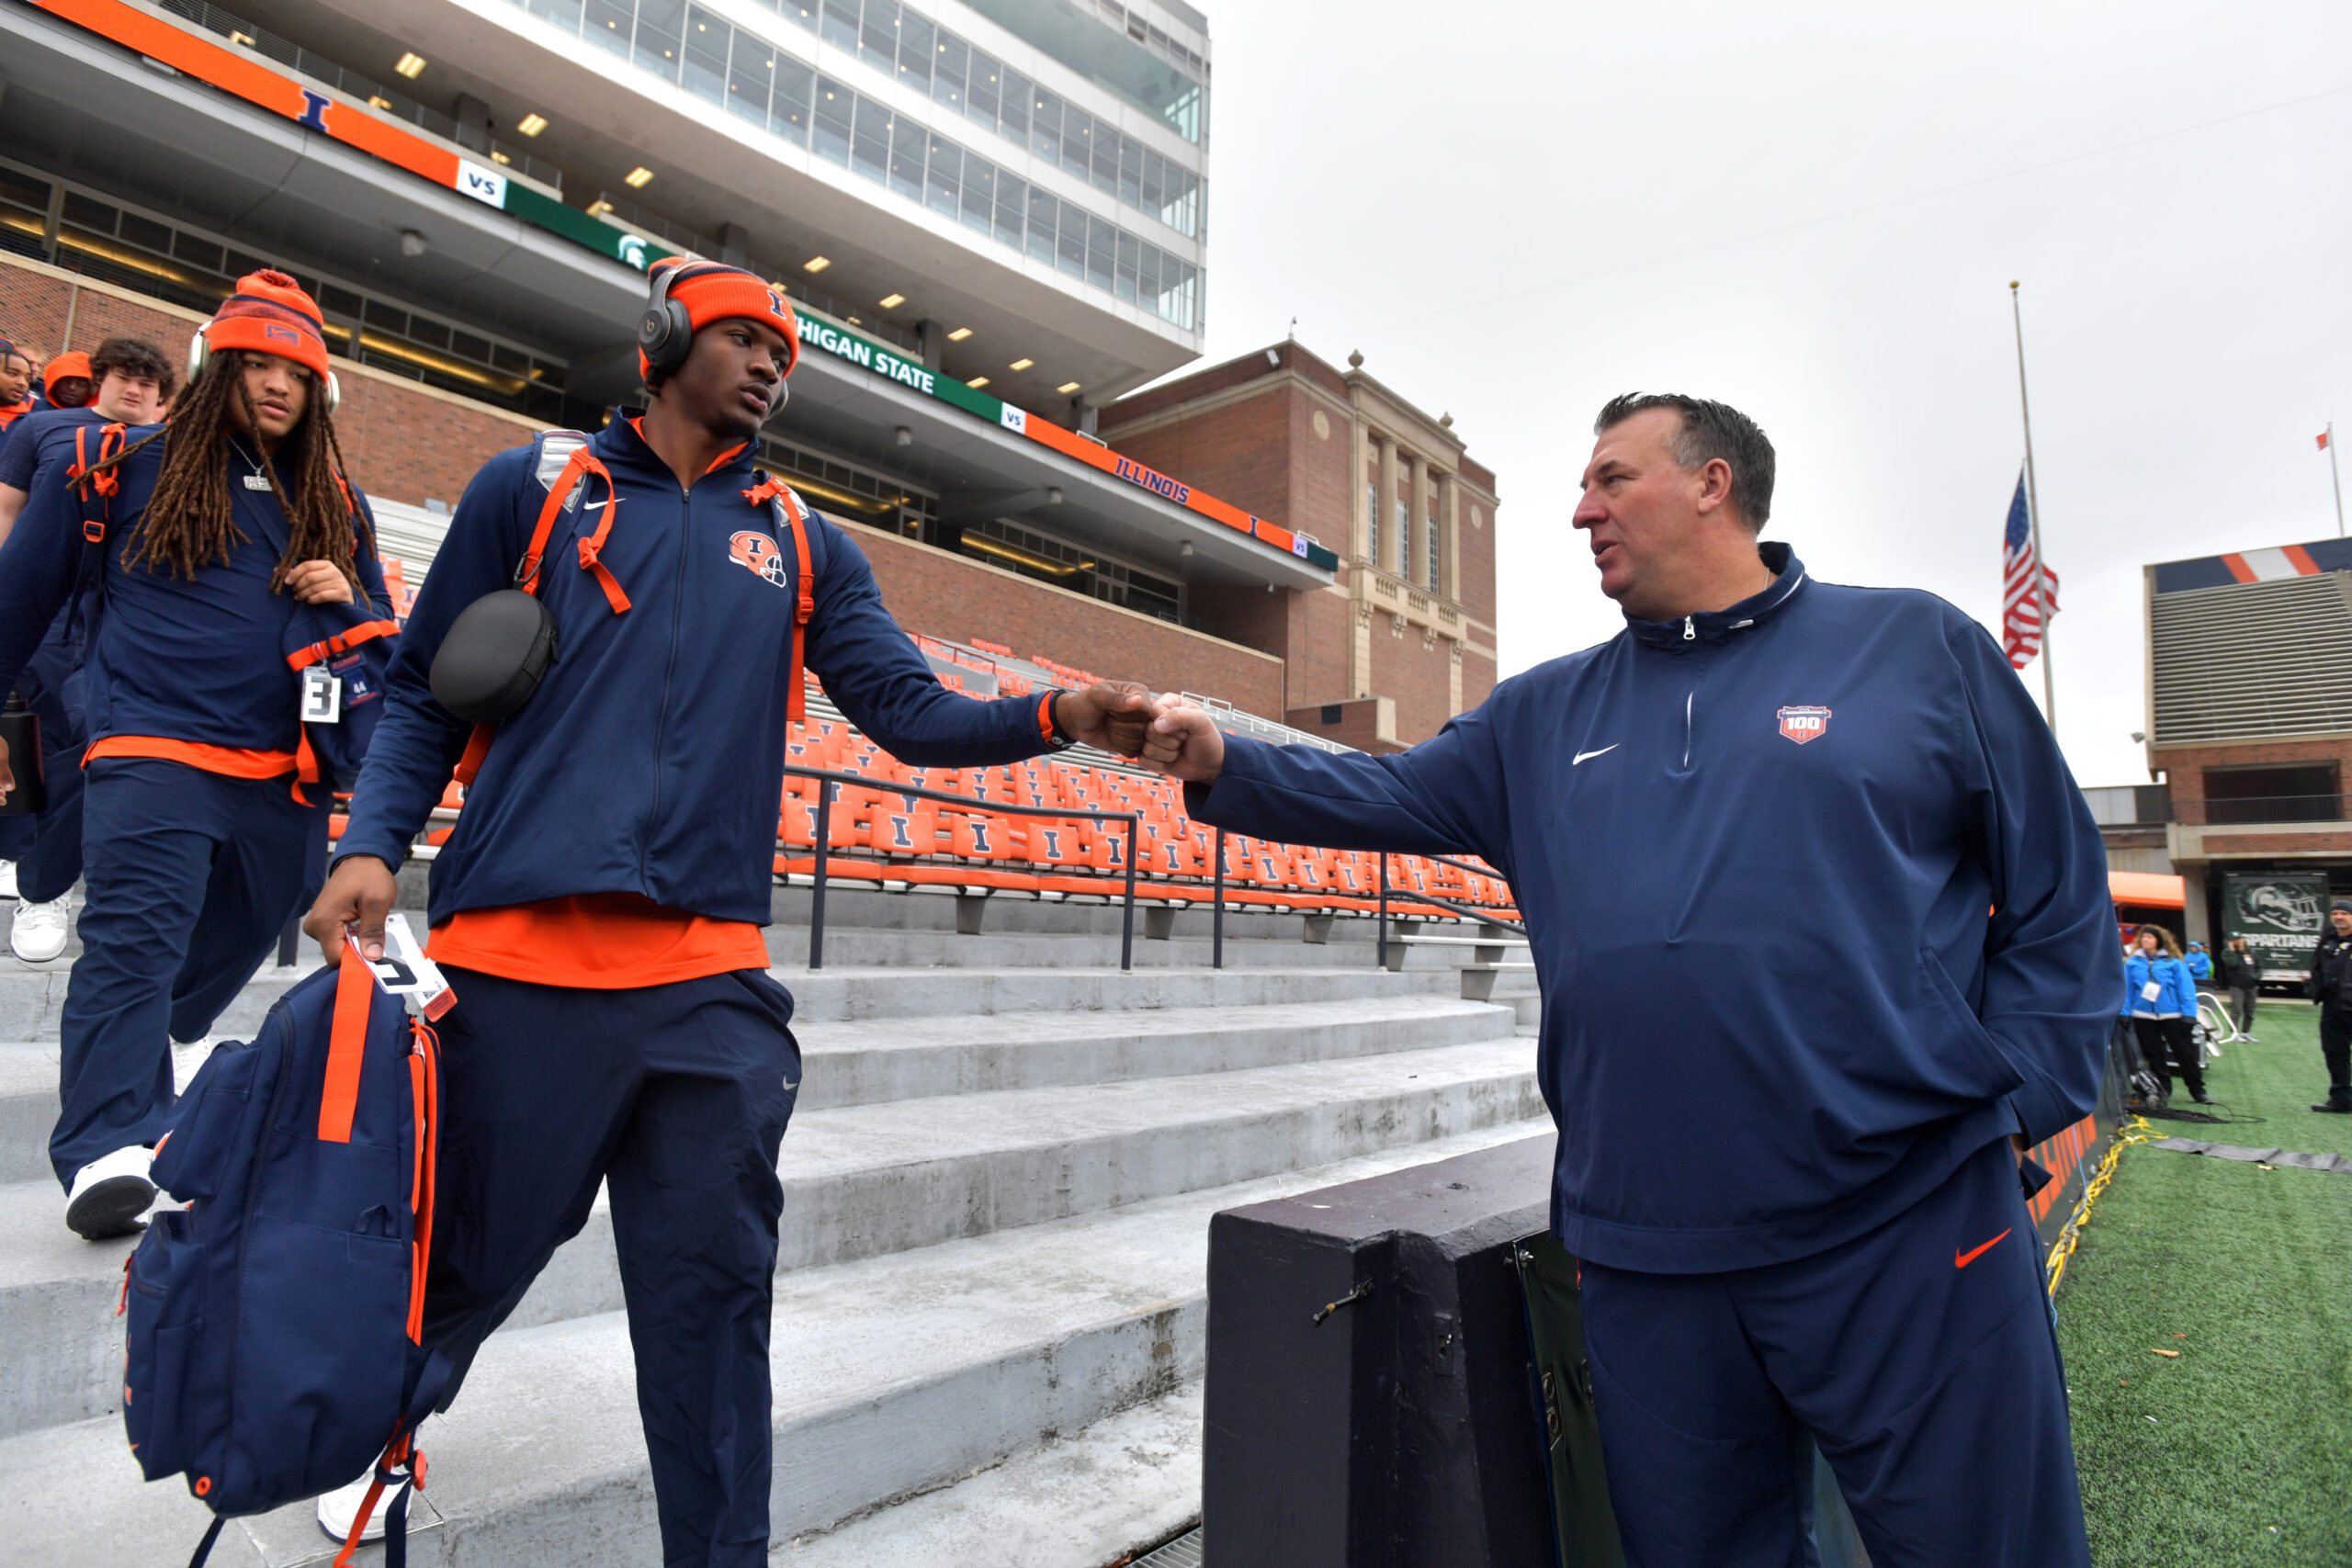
column 1814, row 212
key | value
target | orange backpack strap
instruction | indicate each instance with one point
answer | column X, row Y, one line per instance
column 104, row 487
column 354, row 991
column 477, row 748
column 576, row 470
column 577, row 466
column 805, row 588
column 341, row 643
column 424, row 1090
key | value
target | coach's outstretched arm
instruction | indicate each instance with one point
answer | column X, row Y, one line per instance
column 1446, row 795
column 2052, row 978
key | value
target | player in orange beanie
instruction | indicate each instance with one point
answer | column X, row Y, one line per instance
column 213, row 533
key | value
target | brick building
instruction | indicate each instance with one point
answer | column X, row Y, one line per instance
column 2250, row 726
column 1403, row 637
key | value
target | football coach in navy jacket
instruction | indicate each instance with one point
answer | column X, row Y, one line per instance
column 597, row 911
column 1822, row 927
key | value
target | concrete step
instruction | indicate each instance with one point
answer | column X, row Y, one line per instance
column 1108, row 1493
column 893, row 1377
column 868, row 1060
column 844, row 994
column 28, row 1110
column 869, row 1181
column 872, row 1061
column 32, row 997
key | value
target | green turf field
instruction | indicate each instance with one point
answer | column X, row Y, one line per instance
column 2278, row 1078
column 2239, row 1451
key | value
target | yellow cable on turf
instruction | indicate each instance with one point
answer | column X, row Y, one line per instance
column 2063, row 1247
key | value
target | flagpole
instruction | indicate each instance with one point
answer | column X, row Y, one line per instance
column 2335, row 479
column 2033, row 521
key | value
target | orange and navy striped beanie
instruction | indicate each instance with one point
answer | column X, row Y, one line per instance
column 269, row 313
column 713, row 292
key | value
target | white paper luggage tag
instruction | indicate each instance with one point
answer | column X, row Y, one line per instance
column 322, row 696
column 404, row 971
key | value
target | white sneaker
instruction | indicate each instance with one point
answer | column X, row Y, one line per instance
column 340, row 1506
column 8, row 879
column 39, row 933
column 109, row 1195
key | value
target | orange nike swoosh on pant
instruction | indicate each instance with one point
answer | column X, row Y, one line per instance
column 1962, row 1259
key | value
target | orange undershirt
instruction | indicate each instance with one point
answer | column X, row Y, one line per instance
column 231, row 761
column 637, row 422
column 596, row 942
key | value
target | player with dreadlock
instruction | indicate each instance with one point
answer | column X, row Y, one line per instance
column 227, row 538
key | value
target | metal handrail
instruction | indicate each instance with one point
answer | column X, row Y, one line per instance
column 1468, row 911
column 823, row 835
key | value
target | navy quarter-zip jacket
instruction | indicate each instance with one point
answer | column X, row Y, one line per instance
column 1754, row 852
column 650, row 759
column 200, row 659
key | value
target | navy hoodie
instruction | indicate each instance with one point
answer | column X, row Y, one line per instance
column 1756, row 851
column 200, row 659
column 650, row 759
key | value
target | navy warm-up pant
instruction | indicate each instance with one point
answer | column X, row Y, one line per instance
column 190, row 876
column 677, row 1096
column 1920, row 1357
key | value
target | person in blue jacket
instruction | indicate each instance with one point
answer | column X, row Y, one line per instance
column 43, row 852
column 1794, row 1061
column 2201, row 964
column 2162, row 994
column 195, row 820
column 597, row 911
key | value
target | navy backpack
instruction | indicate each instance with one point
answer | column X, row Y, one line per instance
column 274, row 1320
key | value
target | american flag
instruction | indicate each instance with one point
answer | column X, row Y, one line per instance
column 2021, row 595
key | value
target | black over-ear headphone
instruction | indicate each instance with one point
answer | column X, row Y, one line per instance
column 664, row 334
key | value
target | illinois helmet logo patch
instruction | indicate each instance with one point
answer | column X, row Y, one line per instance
column 756, row 552
column 1803, row 724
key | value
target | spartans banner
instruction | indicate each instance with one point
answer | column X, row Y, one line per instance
column 2279, row 913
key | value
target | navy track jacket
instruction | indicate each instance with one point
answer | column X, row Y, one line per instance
column 200, row 659
column 1754, row 851
column 650, row 759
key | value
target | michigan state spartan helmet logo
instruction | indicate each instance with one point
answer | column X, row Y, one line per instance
column 2288, row 905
